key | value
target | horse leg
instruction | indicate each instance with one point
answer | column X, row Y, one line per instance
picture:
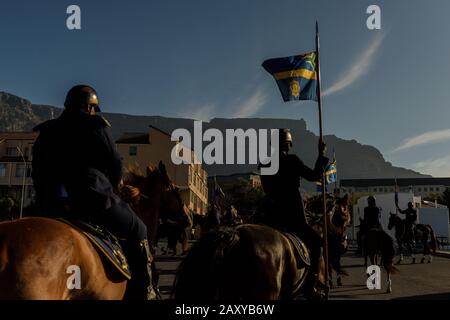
column 413, row 256
column 400, row 249
column 389, row 283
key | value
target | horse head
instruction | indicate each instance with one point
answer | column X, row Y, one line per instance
column 393, row 220
column 154, row 196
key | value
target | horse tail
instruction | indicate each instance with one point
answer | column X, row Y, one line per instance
column 392, row 269
column 433, row 239
column 199, row 274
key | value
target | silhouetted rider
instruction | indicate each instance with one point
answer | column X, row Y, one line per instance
column 283, row 197
column 76, row 166
column 410, row 220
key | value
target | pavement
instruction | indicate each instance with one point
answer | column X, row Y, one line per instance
column 413, row 282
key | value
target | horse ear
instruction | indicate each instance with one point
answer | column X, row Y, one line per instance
column 162, row 167
column 149, row 170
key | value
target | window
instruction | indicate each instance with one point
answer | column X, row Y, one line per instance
column 2, row 169
column 133, row 151
column 11, row 152
column 425, row 189
column 419, row 189
column 20, row 170
column 431, row 189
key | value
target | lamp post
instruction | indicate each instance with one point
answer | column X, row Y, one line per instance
column 23, row 180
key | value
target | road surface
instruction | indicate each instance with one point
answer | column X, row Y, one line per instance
column 415, row 281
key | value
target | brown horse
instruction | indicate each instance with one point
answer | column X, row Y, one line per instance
column 379, row 247
column 244, row 262
column 37, row 253
column 423, row 233
column 338, row 220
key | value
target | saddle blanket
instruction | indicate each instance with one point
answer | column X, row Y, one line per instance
column 301, row 251
column 107, row 245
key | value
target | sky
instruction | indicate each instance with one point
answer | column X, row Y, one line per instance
column 201, row 59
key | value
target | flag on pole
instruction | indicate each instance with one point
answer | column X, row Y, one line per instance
column 296, row 76
column 396, row 194
column 330, row 175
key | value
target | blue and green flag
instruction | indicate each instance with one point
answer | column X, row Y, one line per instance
column 296, row 76
column 330, row 175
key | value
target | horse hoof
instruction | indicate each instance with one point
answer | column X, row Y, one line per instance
column 422, row 260
column 413, row 260
column 339, row 282
column 389, row 290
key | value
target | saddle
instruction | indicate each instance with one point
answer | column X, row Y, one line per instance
column 301, row 251
column 106, row 244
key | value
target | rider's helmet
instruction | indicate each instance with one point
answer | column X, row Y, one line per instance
column 82, row 97
column 285, row 138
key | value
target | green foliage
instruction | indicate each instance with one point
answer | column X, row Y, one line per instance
column 243, row 196
column 6, row 204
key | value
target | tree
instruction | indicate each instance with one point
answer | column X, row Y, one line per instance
column 6, row 206
column 243, row 196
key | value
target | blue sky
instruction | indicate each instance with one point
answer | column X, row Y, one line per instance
column 202, row 58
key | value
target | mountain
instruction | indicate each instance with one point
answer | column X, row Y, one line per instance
column 354, row 160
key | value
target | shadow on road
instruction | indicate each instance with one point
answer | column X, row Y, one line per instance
column 435, row 296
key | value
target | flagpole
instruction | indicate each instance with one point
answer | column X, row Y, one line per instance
column 325, row 216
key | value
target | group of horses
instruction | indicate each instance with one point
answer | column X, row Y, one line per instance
column 242, row 262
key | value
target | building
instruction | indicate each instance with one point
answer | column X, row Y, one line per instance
column 15, row 165
column 418, row 186
column 143, row 149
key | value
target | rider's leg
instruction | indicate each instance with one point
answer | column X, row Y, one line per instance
column 124, row 223
column 314, row 244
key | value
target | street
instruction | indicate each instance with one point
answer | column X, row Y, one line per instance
column 415, row 281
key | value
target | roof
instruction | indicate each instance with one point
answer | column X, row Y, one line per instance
column 18, row 135
column 402, row 182
column 158, row 129
column 134, row 137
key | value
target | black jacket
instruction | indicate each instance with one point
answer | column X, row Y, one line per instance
column 75, row 156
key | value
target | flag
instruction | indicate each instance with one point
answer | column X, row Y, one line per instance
column 330, row 175
column 296, row 76
column 331, row 172
column 396, row 194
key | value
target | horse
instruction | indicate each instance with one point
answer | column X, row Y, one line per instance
column 37, row 252
column 422, row 233
column 243, row 262
column 378, row 244
column 337, row 222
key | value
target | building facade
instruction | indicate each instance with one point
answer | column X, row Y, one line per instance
column 138, row 150
column 15, row 166
column 418, row 186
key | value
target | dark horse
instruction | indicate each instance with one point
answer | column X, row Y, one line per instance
column 379, row 247
column 338, row 221
column 36, row 252
column 243, row 262
column 423, row 233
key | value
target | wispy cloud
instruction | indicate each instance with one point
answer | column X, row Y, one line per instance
column 251, row 106
column 438, row 167
column 204, row 113
column 430, row 137
column 359, row 67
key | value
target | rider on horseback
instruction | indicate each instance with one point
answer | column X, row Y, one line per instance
column 371, row 219
column 76, row 171
column 283, row 197
column 410, row 220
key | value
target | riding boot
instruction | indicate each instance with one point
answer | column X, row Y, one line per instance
column 311, row 290
column 140, row 287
